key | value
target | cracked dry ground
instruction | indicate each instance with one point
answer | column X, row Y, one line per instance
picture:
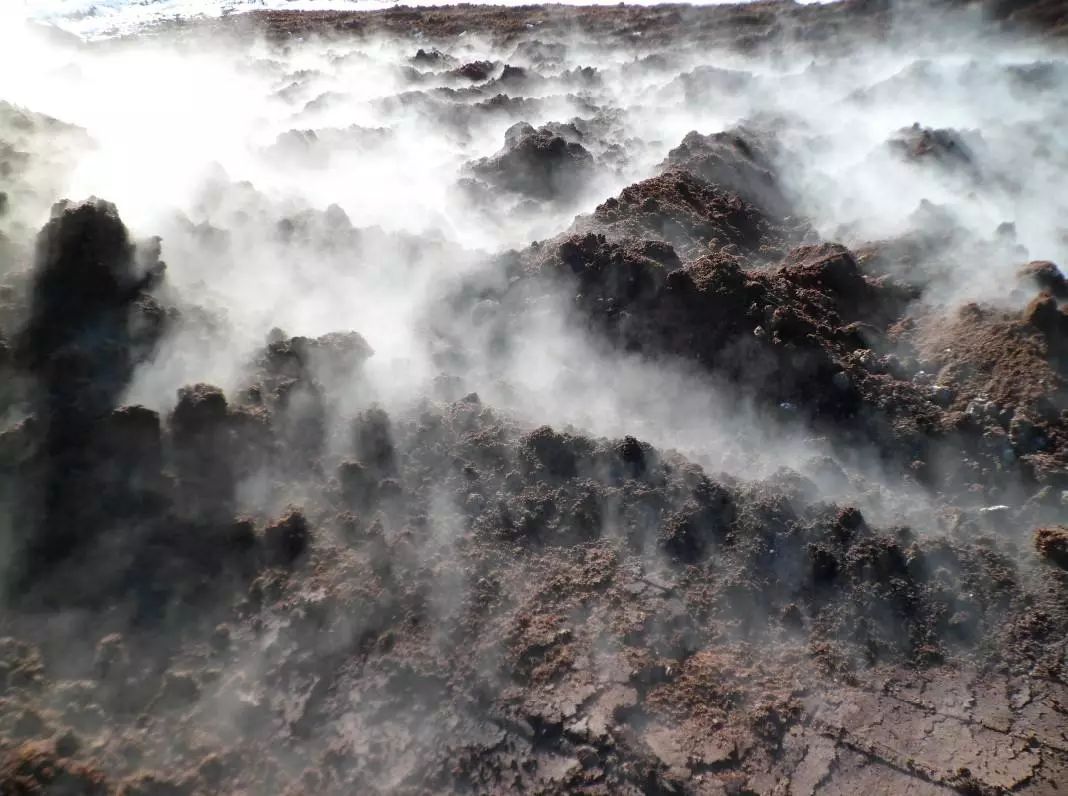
column 462, row 602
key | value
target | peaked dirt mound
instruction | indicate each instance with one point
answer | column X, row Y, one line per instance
column 536, row 162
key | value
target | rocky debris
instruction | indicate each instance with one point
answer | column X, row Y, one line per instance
column 536, row 162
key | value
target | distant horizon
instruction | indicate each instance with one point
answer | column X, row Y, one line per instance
column 93, row 19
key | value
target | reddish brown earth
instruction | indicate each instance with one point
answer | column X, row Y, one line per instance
column 464, row 603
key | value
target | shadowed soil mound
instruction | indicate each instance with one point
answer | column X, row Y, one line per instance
column 538, row 163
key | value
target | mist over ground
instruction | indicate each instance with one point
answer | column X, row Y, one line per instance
column 609, row 399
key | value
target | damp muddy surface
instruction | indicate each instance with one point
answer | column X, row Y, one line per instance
column 616, row 400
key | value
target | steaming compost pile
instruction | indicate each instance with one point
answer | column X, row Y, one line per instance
column 614, row 400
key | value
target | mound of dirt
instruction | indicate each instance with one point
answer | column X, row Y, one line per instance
column 677, row 690
column 693, row 216
column 90, row 322
column 432, row 59
column 736, row 160
column 1047, row 276
column 536, row 162
column 1052, row 543
column 475, row 71
column 947, row 148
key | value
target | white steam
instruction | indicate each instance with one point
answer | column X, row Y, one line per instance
column 203, row 144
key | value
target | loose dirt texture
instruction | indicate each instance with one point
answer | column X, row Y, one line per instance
column 440, row 596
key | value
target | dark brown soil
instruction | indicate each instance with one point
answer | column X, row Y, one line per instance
column 440, row 598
